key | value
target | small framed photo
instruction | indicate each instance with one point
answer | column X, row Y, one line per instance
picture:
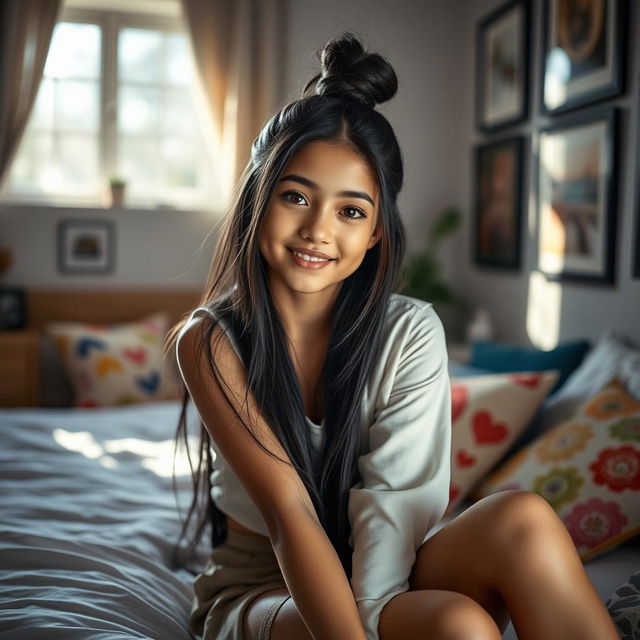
column 498, row 203
column 502, row 66
column 584, row 52
column 577, row 199
column 13, row 308
column 86, row 246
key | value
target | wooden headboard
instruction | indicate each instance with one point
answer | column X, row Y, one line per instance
column 105, row 305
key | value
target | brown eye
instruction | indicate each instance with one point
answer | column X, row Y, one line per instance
column 295, row 194
column 357, row 210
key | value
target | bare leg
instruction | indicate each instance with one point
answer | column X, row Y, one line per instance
column 512, row 554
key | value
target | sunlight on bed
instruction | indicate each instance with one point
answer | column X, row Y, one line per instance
column 156, row 456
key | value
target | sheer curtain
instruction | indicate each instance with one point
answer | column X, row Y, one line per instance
column 25, row 34
column 238, row 47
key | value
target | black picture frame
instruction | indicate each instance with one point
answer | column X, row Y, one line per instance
column 502, row 66
column 576, row 235
column 498, row 203
column 13, row 308
column 635, row 265
column 85, row 246
column 575, row 73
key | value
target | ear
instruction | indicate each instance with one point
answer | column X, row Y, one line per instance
column 375, row 236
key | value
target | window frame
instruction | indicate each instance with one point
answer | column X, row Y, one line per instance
column 111, row 22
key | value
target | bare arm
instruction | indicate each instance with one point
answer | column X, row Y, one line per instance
column 309, row 563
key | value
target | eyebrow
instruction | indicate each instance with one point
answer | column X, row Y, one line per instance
column 363, row 195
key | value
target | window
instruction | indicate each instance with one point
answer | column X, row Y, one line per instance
column 117, row 97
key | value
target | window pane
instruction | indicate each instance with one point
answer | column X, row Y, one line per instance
column 138, row 109
column 140, row 55
column 179, row 157
column 179, row 65
column 43, row 109
column 138, row 161
column 78, row 162
column 29, row 167
column 177, row 116
column 77, row 105
column 74, row 51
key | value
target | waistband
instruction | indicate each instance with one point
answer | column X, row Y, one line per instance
column 248, row 541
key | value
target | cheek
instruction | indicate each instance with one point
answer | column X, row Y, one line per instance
column 356, row 245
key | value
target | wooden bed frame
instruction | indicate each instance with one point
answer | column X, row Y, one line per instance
column 21, row 351
column 106, row 305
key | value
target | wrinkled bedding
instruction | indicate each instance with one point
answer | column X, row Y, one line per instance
column 89, row 520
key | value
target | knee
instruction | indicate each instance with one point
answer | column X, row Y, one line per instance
column 459, row 617
column 518, row 516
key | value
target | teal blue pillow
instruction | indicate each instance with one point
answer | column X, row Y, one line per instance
column 461, row 370
column 500, row 357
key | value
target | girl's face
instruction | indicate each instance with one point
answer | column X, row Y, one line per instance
column 327, row 201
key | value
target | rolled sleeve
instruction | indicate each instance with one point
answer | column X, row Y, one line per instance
column 404, row 489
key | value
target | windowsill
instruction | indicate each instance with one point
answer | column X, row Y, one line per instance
column 96, row 207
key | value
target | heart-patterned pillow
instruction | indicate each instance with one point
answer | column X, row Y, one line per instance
column 113, row 364
column 488, row 413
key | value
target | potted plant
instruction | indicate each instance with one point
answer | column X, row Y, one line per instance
column 117, row 185
column 421, row 272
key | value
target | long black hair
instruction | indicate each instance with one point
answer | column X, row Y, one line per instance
column 337, row 105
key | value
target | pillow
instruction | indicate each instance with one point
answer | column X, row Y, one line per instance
column 55, row 388
column 461, row 370
column 501, row 357
column 587, row 468
column 114, row 364
column 488, row 413
column 613, row 355
column 624, row 608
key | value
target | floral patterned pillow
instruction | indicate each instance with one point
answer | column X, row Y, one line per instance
column 587, row 468
column 114, row 364
column 489, row 412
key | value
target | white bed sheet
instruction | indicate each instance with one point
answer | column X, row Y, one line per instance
column 89, row 522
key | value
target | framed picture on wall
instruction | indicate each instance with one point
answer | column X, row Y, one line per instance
column 584, row 52
column 497, row 226
column 85, row 246
column 577, row 199
column 635, row 267
column 502, row 66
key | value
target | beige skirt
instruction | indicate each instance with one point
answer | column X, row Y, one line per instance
column 237, row 572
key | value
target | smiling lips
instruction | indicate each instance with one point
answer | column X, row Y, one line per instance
column 314, row 263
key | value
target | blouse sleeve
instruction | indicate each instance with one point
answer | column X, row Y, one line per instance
column 405, row 474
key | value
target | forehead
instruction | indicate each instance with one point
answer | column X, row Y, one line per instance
column 334, row 167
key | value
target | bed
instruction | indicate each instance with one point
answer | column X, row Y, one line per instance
column 89, row 517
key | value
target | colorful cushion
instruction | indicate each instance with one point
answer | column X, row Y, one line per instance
column 501, row 357
column 624, row 608
column 587, row 468
column 613, row 355
column 488, row 414
column 114, row 364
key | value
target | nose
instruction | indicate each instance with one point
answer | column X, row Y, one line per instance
column 317, row 225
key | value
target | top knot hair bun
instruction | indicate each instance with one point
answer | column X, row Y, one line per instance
column 348, row 70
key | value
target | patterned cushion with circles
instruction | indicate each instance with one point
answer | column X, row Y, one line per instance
column 587, row 468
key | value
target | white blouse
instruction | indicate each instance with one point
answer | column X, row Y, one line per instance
column 404, row 463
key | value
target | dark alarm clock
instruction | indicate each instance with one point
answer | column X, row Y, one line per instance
column 12, row 308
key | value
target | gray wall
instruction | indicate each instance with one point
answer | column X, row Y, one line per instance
column 523, row 308
column 431, row 45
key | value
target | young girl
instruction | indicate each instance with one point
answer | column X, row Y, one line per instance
column 326, row 402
